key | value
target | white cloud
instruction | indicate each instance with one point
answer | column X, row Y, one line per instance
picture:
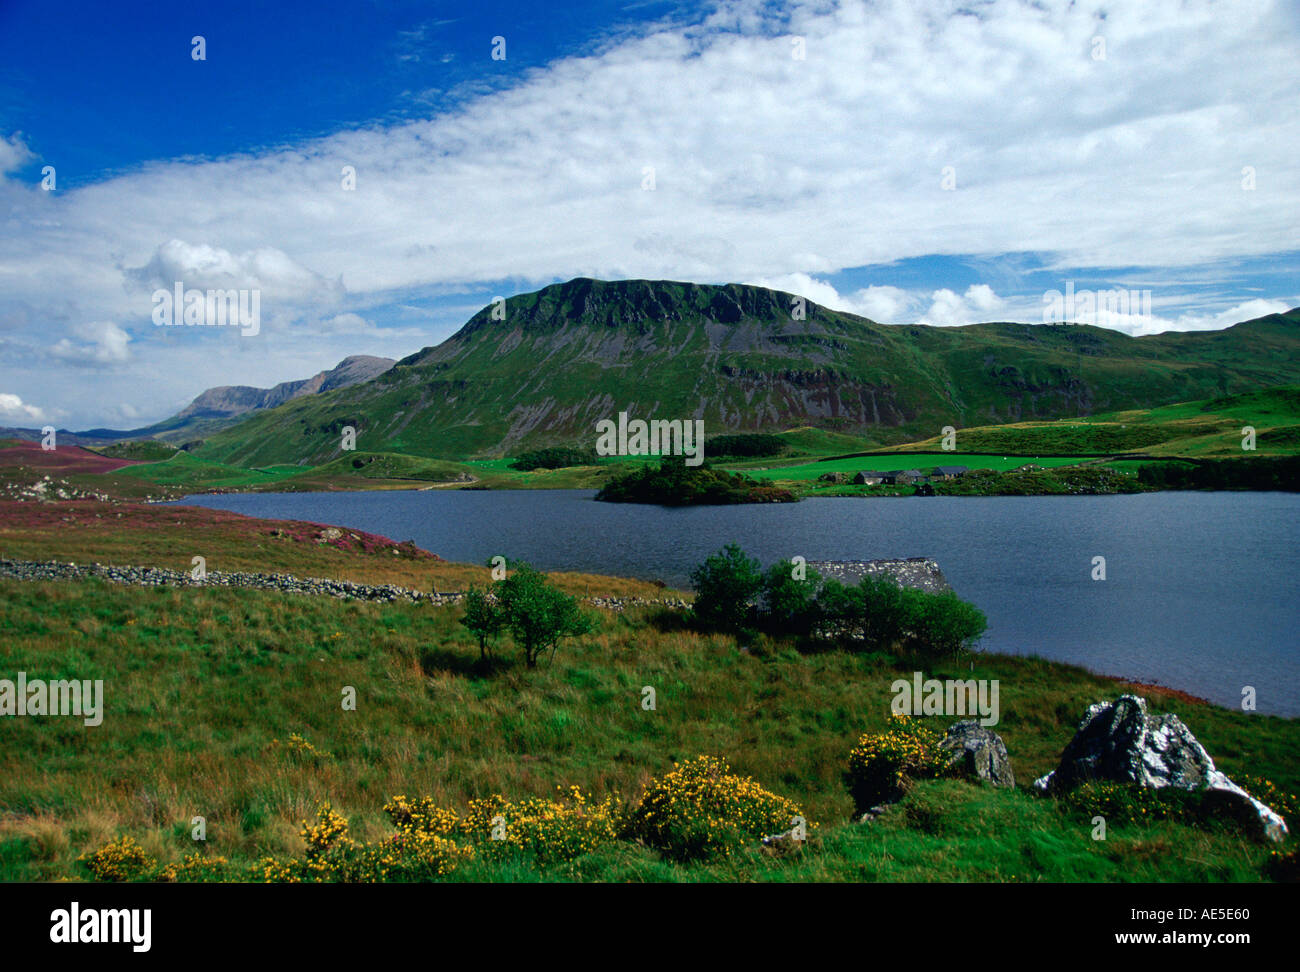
column 14, row 153
column 766, row 168
column 205, row 267
column 948, row 307
column 347, row 323
column 14, row 409
column 101, row 343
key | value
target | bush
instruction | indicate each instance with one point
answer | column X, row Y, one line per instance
column 332, row 855
column 790, row 603
column 482, row 618
column 120, row 860
column 883, row 765
column 726, row 585
column 549, row 830
column 700, row 810
column 941, row 623
column 197, row 867
column 555, row 458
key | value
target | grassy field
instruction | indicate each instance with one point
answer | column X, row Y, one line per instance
column 1201, row 430
column 204, row 690
column 886, row 462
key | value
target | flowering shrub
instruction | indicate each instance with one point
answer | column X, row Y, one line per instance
column 701, row 810
column 1287, row 805
column 551, row 830
column 1129, row 802
column 332, row 855
column 196, row 867
column 120, row 860
column 883, row 764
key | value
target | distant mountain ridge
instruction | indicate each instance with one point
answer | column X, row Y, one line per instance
column 744, row 359
column 217, row 408
column 230, row 400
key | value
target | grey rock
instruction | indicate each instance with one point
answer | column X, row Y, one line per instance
column 980, row 752
column 1123, row 742
column 919, row 572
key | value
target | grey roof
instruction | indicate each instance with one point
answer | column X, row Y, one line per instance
column 949, row 470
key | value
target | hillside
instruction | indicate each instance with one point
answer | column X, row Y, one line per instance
column 1200, row 429
column 573, row 353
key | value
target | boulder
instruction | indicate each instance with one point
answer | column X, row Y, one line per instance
column 980, row 752
column 1123, row 742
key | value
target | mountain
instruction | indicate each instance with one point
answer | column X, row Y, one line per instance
column 571, row 354
column 220, row 407
column 229, row 401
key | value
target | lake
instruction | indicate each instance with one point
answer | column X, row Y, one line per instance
column 1199, row 595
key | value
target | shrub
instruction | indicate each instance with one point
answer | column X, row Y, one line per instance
column 790, row 603
column 554, row 458
column 1285, row 804
column 700, row 810
column 120, row 860
column 883, row 765
column 941, row 623
column 549, row 830
column 886, row 609
column 332, row 855
column 1121, row 803
column 482, row 618
column 726, row 585
column 197, row 867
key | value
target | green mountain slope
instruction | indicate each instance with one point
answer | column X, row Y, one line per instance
column 571, row 354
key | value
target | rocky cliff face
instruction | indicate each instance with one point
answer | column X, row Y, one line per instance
column 229, row 400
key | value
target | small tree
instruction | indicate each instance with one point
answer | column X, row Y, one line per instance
column 790, row 602
column 482, row 617
column 537, row 614
column 725, row 586
column 885, row 609
column 945, row 624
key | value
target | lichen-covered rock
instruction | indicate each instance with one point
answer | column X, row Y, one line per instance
column 980, row 752
column 1122, row 741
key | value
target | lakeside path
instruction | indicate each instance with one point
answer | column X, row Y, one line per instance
column 53, row 570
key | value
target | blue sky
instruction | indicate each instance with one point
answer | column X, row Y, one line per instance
column 935, row 162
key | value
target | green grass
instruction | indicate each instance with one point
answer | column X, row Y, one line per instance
column 186, row 470
column 199, row 685
column 924, row 461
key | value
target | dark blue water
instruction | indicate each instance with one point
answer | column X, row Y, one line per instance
column 1200, row 590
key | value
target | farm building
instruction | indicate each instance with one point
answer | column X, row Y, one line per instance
column 901, row 477
column 868, row 477
column 949, row 472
